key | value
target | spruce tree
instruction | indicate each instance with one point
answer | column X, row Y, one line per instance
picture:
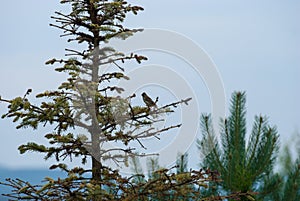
column 89, row 101
column 241, row 164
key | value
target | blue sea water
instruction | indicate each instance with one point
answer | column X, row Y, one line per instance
column 34, row 176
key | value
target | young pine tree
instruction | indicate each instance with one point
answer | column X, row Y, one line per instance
column 240, row 164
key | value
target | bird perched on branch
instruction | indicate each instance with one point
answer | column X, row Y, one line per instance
column 148, row 101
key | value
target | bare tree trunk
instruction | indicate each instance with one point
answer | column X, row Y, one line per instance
column 96, row 131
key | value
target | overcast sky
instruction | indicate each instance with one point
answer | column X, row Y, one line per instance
column 255, row 46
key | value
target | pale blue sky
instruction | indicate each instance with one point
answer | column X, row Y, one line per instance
column 254, row 44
